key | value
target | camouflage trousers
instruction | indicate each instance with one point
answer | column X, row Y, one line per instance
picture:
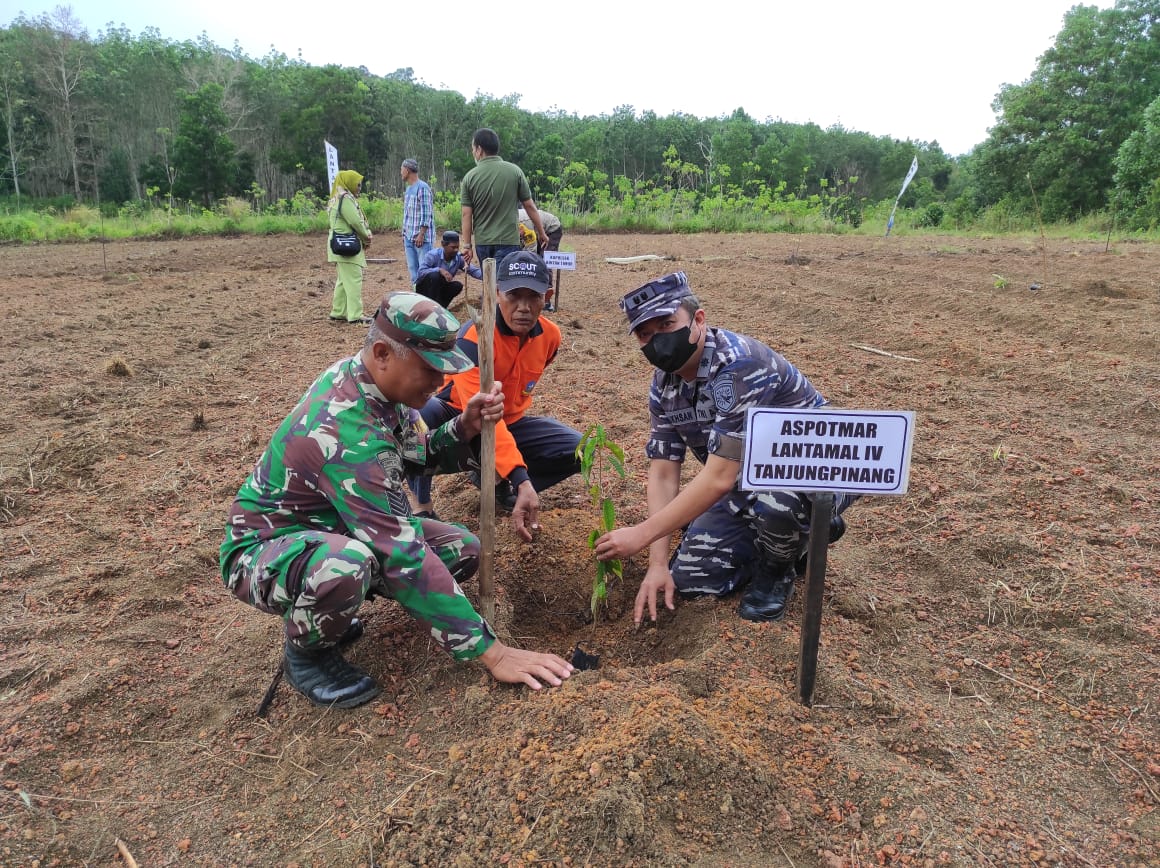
column 317, row 580
column 742, row 533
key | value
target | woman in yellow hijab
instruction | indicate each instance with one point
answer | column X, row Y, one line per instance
column 346, row 217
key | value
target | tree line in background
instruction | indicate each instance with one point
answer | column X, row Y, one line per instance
column 123, row 119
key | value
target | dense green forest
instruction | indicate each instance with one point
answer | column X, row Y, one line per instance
column 128, row 121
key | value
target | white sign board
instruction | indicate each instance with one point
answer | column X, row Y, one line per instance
column 562, row 261
column 847, row 451
column 331, row 163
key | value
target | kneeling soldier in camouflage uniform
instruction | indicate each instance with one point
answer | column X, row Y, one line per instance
column 324, row 518
column 707, row 378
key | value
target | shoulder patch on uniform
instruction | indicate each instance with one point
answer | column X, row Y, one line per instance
column 724, row 395
column 392, row 464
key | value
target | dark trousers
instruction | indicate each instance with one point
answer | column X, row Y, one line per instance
column 553, row 244
column 548, row 447
column 493, row 251
column 438, row 288
column 743, row 533
column 553, row 241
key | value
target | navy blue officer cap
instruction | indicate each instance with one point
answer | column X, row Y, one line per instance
column 656, row 298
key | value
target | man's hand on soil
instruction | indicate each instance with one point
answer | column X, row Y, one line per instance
column 517, row 666
column 656, row 579
column 526, row 512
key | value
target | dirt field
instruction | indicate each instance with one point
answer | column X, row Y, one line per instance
column 990, row 665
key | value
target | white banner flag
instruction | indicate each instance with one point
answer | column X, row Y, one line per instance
column 332, row 164
column 905, row 184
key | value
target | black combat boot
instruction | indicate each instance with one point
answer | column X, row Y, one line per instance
column 768, row 594
column 324, row 677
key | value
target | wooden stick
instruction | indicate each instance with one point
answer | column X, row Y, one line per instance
column 380, row 260
column 1038, row 691
column 264, row 705
column 125, row 854
column 1143, row 780
column 879, row 352
column 486, row 335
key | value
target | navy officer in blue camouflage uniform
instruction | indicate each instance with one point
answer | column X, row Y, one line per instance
column 706, row 380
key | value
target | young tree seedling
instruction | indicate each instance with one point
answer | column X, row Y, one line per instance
column 600, row 456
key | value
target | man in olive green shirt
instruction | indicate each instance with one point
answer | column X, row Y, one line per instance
column 490, row 195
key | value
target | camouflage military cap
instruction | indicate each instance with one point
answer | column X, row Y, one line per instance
column 656, row 298
column 426, row 327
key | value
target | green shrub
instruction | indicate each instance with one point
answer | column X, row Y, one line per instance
column 931, row 216
column 81, row 215
column 20, row 227
column 233, row 208
column 962, row 212
column 133, row 210
column 641, row 208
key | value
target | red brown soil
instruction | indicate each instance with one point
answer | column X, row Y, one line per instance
column 989, row 670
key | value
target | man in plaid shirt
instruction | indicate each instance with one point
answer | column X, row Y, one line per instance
column 418, row 218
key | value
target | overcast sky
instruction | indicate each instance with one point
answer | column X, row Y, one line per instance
column 925, row 70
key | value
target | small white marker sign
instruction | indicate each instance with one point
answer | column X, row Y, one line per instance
column 554, row 259
column 849, row 451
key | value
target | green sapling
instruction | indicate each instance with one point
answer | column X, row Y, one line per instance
column 598, row 457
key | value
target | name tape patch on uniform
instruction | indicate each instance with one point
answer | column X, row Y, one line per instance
column 724, row 396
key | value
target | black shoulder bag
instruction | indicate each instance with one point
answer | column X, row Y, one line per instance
column 343, row 243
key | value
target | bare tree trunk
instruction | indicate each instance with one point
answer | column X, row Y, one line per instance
column 61, row 72
column 10, row 129
column 70, row 144
column 135, row 176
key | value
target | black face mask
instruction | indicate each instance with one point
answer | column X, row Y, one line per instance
column 670, row 350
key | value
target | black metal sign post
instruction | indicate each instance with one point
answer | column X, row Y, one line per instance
column 858, row 452
column 823, row 509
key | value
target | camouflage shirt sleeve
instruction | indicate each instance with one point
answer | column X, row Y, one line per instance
column 664, row 440
column 734, row 389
